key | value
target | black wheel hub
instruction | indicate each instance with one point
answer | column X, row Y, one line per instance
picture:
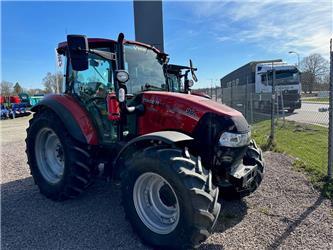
column 167, row 196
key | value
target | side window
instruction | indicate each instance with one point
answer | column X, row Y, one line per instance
column 96, row 81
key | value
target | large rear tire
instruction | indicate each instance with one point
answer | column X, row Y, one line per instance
column 169, row 198
column 59, row 165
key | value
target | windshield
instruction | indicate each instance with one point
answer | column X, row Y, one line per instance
column 282, row 77
column 145, row 69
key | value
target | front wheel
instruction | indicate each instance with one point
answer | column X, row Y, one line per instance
column 169, row 198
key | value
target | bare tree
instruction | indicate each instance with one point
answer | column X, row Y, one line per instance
column 51, row 81
column 35, row 92
column 314, row 68
column 6, row 88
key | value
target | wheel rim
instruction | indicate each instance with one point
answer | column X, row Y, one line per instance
column 156, row 203
column 49, row 155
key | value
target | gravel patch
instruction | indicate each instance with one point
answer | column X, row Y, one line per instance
column 285, row 212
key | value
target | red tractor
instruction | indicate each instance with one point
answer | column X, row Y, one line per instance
column 172, row 152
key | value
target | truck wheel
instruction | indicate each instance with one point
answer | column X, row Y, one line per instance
column 59, row 165
column 253, row 156
column 169, row 198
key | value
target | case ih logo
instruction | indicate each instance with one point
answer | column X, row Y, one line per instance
column 153, row 101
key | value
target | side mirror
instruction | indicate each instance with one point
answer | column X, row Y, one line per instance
column 78, row 51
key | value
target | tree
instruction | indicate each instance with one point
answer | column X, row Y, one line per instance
column 6, row 88
column 35, row 91
column 314, row 68
column 50, row 82
column 307, row 80
column 17, row 89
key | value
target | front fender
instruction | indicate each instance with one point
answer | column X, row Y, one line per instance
column 171, row 138
column 75, row 118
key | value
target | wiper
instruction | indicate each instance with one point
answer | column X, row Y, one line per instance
column 149, row 86
column 98, row 72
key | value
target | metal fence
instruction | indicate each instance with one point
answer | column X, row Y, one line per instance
column 304, row 133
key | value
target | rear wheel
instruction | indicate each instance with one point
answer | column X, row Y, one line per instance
column 59, row 165
column 169, row 198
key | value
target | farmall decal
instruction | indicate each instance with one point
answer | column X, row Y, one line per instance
column 153, row 101
column 189, row 112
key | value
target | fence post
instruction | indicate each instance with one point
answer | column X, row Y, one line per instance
column 282, row 106
column 277, row 106
column 251, row 108
column 215, row 93
column 272, row 107
column 330, row 132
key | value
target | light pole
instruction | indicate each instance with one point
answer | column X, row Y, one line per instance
column 294, row 52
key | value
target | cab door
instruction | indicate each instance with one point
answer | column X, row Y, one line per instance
column 92, row 86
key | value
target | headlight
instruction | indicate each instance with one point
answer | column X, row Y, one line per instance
column 122, row 76
column 234, row 140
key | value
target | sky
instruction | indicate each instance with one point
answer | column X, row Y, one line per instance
column 219, row 36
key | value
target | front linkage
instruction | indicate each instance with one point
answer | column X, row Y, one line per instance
column 244, row 176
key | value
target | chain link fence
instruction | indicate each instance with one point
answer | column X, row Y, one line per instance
column 304, row 133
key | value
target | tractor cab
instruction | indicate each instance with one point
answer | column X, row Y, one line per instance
column 105, row 74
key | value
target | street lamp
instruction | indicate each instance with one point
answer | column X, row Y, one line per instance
column 294, row 52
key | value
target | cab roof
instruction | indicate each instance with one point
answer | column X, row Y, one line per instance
column 63, row 45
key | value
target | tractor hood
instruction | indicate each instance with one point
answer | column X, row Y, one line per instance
column 178, row 111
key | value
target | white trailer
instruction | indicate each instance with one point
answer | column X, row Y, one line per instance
column 250, row 86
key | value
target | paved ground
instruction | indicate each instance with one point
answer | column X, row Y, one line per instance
column 285, row 212
column 309, row 113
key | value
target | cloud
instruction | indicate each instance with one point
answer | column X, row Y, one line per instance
column 223, row 38
column 304, row 26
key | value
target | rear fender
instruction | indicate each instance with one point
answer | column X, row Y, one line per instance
column 75, row 118
column 171, row 138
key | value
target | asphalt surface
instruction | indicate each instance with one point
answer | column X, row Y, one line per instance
column 285, row 212
column 309, row 113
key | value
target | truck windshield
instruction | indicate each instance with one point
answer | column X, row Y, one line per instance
column 283, row 77
column 145, row 69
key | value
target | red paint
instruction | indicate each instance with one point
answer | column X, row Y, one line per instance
column 14, row 99
column 2, row 99
column 113, row 107
column 79, row 114
column 177, row 111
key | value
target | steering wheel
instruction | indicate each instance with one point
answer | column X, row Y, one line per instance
column 194, row 77
column 94, row 98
